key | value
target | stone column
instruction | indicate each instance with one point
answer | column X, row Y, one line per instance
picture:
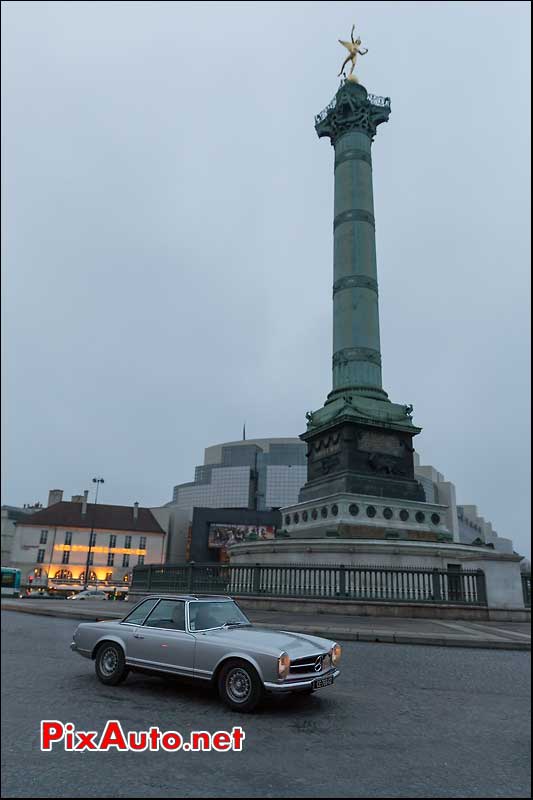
column 351, row 123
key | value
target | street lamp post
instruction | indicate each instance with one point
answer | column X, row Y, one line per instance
column 98, row 481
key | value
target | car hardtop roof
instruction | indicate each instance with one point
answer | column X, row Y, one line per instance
column 193, row 597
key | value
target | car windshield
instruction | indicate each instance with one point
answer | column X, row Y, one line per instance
column 215, row 614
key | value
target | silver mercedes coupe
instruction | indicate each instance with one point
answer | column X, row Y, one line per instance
column 208, row 638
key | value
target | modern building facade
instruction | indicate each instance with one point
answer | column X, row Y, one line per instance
column 474, row 529
column 256, row 476
column 54, row 545
column 467, row 525
column 261, row 474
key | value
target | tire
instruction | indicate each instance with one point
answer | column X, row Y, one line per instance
column 110, row 664
column 239, row 686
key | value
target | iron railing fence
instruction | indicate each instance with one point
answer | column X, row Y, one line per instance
column 327, row 581
column 526, row 589
column 376, row 100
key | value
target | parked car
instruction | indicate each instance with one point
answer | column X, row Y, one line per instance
column 43, row 595
column 88, row 594
column 208, row 639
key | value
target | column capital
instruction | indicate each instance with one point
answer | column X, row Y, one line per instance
column 352, row 109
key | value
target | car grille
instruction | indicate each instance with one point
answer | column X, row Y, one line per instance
column 310, row 665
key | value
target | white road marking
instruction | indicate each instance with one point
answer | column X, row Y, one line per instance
column 472, row 631
column 506, row 632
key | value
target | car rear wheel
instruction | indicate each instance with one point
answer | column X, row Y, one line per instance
column 110, row 664
column 239, row 686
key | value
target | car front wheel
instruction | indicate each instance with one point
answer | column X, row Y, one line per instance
column 239, row 686
column 110, row 664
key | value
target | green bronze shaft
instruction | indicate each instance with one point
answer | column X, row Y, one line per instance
column 351, row 125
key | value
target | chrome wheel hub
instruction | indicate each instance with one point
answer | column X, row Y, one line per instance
column 238, row 685
column 108, row 661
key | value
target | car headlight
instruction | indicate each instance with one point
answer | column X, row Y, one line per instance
column 284, row 665
column 335, row 653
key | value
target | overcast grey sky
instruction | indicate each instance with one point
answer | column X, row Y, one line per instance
column 167, row 236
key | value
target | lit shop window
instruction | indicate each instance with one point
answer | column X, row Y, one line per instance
column 63, row 575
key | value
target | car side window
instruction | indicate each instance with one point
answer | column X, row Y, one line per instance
column 139, row 614
column 168, row 614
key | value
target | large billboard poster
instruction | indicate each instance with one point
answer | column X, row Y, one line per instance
column 224, row 535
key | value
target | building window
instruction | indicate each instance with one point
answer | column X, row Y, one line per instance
column 92, row 540
column 63, row 574
column 125, row 561
column 44, row 537
column 142, row 543
column 112, row 540
column 141, row 560
column 68, row 540
column 127, row 543
column 109, row 576
column 38, row 573
column 110, row 559
column 40, row 556
column 66, row 557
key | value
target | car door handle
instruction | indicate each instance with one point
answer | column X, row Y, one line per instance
column 137, row 636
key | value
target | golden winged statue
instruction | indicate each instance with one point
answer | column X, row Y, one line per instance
column 354, row 49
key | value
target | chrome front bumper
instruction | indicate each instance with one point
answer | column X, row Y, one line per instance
column 294, row 686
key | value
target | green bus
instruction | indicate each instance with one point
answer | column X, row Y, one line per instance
column 10, row 582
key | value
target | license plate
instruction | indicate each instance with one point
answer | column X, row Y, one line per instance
column 321, row 682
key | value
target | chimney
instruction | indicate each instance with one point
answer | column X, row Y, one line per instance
column 76, row 498
column 84, row 502
column 135, row 512
column 55, row 496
